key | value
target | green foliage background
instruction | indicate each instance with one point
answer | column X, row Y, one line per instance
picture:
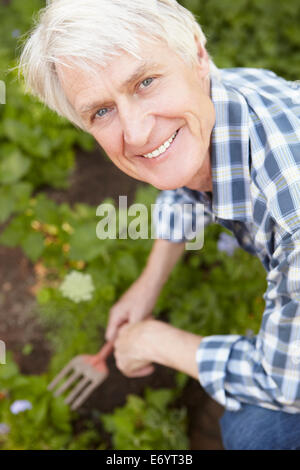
column 251, row 33
column 36, row 145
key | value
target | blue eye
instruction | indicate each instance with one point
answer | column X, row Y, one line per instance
column 147, row 82
column 100, row 112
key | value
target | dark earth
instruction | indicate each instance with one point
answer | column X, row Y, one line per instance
column 93, row 179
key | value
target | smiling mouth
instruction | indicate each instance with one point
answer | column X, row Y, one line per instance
column 162, row 149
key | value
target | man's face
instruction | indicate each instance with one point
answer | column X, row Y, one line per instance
column 133, row 119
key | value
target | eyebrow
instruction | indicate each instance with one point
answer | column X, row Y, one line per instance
column 138, row 73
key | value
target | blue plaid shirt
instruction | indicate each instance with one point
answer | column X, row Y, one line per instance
column 255, row 158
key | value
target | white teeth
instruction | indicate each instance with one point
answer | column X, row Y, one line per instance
column 162, row 148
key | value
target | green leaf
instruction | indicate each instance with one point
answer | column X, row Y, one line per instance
column 159, row 398
column 39, row 411
column 46, row 210
column 7, row 203
column 13, row 167
column 84, row 244
column 14, row 233
column 43, row 295
column 22, row 192
column 181, row 380
column 33, row 245
column 27, row 349
column 60, row 414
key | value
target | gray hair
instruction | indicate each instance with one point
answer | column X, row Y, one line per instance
column 87, row 32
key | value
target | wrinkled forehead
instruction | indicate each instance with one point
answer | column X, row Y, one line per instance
column 79, row 82
column 83, row 85
column 149, row 49
column 73, row 73
column 70, row 68
column 120, row 69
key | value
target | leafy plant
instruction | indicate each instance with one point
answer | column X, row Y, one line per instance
column 149, row 423
column 210, row 292
column 36, row 145
column 45, row 423
column 251, row 33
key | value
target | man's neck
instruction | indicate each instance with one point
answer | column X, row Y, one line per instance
column 202, row 181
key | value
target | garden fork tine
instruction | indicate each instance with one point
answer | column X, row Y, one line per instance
column 61, row 374
column 67, row 384
column 84, row 395
column 93, row 369
column 83, row 382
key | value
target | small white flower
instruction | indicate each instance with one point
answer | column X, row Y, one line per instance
column 227, row 243
column 15, row 33
column 20, row 405
column 4, row 429
column 77, row 286
column 249, row 333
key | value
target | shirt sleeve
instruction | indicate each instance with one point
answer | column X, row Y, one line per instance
column 264, row 370
column 178, row 217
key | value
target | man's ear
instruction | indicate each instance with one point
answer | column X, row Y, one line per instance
column 203, row 59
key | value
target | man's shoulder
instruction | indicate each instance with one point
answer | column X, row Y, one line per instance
column 256, row 87
column 272, row 101
column 257, row 78
column 264, row 83
column 247, row 73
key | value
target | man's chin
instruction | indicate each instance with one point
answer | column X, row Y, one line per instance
column 167, row 186
column 176, row 183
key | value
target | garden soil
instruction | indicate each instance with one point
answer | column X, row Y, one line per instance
column 93, row 179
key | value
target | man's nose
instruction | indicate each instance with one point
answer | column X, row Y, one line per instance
column 137, row 125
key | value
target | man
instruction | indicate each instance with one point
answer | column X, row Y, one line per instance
column 137, row 76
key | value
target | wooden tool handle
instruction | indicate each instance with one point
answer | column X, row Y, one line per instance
column 105, row 351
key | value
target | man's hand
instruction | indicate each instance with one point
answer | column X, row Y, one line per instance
column 138, row 345
column 138, row 301
column 135, row 305
column 130, row 351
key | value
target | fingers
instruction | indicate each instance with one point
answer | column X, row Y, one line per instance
column 116, row 319
column 135, row 318
column 143, row 372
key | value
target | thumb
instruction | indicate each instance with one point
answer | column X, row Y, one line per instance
column 137, row 319
column 112, row 329
column 147, row 370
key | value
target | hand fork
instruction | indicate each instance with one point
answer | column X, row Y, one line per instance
column 93, row 369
